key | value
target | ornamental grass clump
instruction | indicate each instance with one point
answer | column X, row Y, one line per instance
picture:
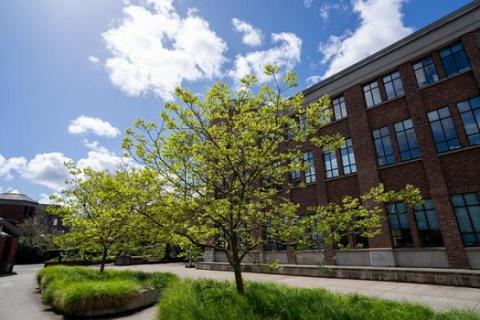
column 71, row 290
column 207, row 299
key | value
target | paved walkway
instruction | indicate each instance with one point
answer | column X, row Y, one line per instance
column 435, row 296
column 19, row 300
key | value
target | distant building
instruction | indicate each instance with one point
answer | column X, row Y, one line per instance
column 16, row 208
column 410, row 114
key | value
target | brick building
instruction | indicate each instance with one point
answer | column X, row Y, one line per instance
column 15, row 208
column 411, row 115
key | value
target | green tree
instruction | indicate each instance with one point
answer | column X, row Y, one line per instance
column 223, row 158
column 96, row 208
column 221, row 164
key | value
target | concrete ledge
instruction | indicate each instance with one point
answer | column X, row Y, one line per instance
column 141, row 300
column 449, row 277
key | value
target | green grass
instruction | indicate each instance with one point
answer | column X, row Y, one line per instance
column 71, row 289
column 207, row 299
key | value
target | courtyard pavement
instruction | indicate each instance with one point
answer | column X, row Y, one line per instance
column 436, row 296
column 20, row 301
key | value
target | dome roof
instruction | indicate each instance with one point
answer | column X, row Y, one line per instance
column 15, row 195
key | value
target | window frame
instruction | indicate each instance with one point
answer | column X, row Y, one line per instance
column 396, row 215
column 369, row 89
column 423, row 64
column 441, row 120
column 406, row 133
column 347, row 148
column 452, row 55
column 330, row 157
column 310, row 174
column 391, row 81
column 424, row 210
column 474, row 113
column 339, row 103
column 382, row 138
column 475, row 232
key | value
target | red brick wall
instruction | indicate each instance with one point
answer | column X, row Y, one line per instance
column 437, row 176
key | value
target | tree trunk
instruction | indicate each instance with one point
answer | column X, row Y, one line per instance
column 104, row 259
column 238, row 278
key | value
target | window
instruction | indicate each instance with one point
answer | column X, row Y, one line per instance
column 372, row 94
column 407, row 140
column 444, row 132
column 393, row 85
column 331, row 166
column 348, row 157
column 302, row 123
column 295, row 175
column 425, row 71
column 383, row 146
column 427, row 224
column 399, row 226
column 467, row 210
column 454, row 59
column 310, row 176
column 470, row 112
column 339, row 108
column 55, row 222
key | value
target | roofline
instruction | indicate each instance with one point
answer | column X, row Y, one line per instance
column 19, row 202
column 395, row 46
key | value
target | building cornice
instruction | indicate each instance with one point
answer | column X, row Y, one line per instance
column 421, row 42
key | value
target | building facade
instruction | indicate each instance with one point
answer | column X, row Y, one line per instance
column 411, row 115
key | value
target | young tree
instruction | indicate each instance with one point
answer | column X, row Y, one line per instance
column 221, row 164
column 96, row 210
column 223, row 158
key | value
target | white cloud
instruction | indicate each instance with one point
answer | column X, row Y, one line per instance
column 313, row 80
column 93, row 59
column 45, row 198
column 8, row 166
column 49, row 170
column 97, row 126
column 100, row 158
column 154, row 49
column 46, row 169
column 381, row 24
column 325, row 10
column 307, row 3
column 251, row 35
column 286, row 53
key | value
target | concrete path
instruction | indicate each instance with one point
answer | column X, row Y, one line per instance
column 20, row 301
column 435, row 296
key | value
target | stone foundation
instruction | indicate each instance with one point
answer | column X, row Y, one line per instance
column 450, row 277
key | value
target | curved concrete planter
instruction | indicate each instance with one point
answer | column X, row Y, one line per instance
column 144, row 299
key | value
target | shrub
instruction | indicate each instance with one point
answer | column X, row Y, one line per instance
column 72, row 289
column 206, row 299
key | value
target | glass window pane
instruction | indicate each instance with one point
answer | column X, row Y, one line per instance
column 432, row 220
column 421, row 221
column 463, row 220
column 471, row 199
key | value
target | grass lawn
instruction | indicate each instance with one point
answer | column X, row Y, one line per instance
column 70, row 289
column 208, row 299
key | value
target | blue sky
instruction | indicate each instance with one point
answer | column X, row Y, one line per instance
column 75, row 74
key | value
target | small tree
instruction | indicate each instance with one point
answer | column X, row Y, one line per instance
column 97, row 212
column 223, row 158
column 221, row 164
